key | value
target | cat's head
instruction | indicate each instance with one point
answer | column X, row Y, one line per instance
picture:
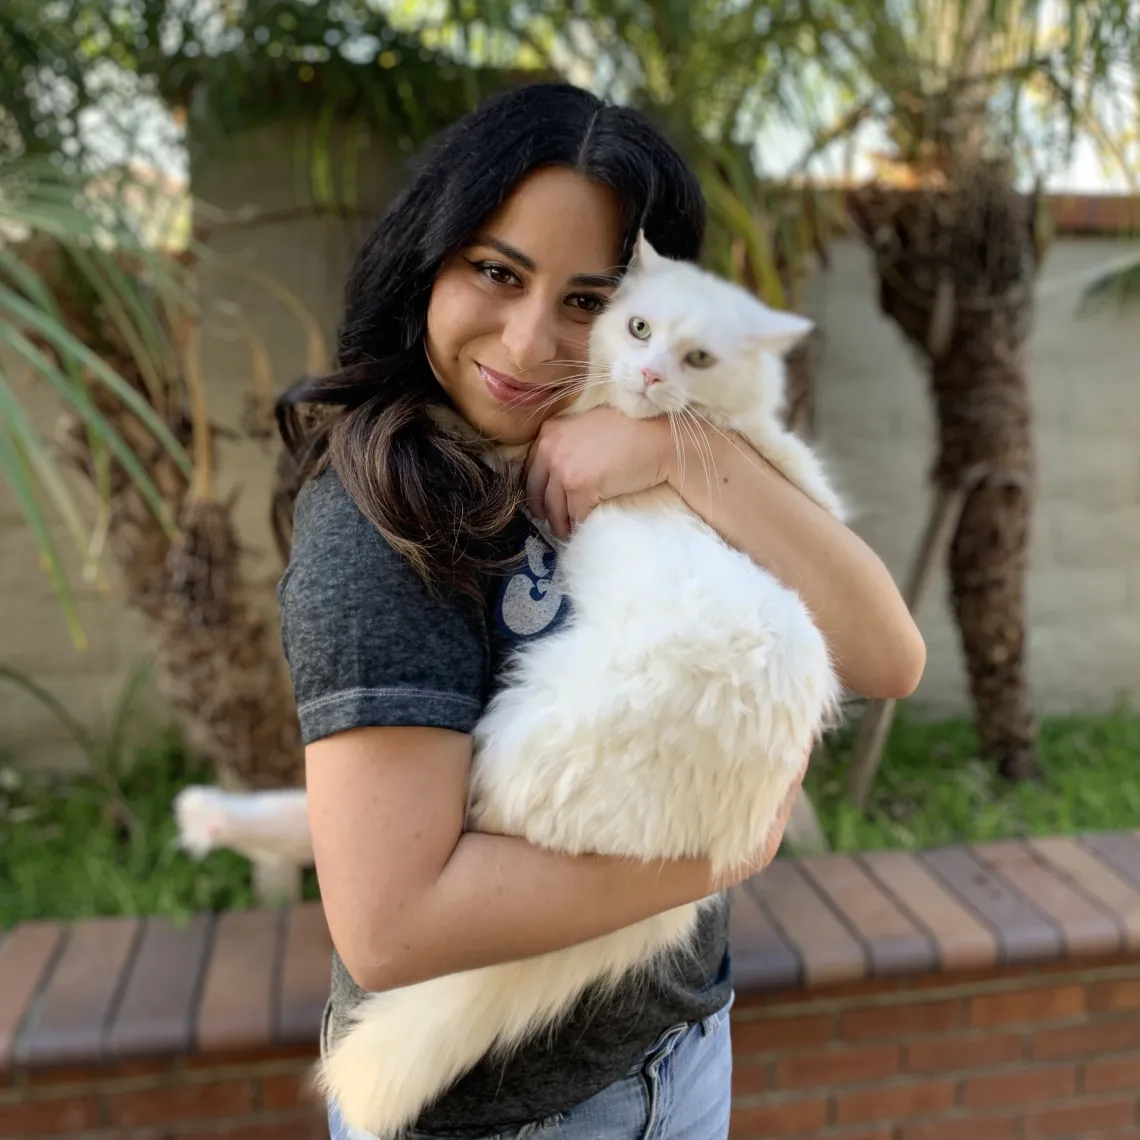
column 674, row 336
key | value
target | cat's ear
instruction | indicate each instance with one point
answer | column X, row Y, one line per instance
column 776, row 331
column 644, row 255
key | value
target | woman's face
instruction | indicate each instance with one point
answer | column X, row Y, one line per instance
column 510, row 314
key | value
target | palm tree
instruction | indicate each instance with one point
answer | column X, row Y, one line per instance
column 969, row 92
column 93, row 309
column 109, row 324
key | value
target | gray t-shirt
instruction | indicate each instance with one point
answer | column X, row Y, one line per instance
column 367, row 644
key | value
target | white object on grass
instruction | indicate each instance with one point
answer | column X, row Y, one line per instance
column 270, row 828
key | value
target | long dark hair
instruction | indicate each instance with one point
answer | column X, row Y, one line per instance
column 421, row 484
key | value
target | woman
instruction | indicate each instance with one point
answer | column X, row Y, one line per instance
column 413, row 573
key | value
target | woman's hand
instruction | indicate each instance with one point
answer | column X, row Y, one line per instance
column 577, row 462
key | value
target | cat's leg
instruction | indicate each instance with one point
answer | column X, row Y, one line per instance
column 408, row 1046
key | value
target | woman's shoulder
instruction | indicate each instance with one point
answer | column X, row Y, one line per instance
column 333, row 541
column 324, row 509
column 341, row 561
column 367, row 642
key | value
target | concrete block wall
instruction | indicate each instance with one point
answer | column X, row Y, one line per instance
column 874, row 420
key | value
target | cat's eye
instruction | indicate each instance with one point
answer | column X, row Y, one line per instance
column 639, row 327
column 698, row 358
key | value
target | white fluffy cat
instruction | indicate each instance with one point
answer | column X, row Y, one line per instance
column 667, row 718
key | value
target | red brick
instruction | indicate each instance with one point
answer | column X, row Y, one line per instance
column 249, row 1058
column 1080, row 1119
column 858, row 1134
column 779, row 1034
column 1043, row 1004
column 901, row 1020
column 915, row 1099
column 1105, row 997
column 1114, row 1073
column 839, row 1067
column 86, row 1074
column 777, row 1119
column 748, row 1079
column 1026, row 1087
column 175, row 1104
column 287, row 1090
column 294, row 1126
column 953, row 1053
column 1102, row 1037
column 964, row 1128
column 59, row 1116
column 64, row 1074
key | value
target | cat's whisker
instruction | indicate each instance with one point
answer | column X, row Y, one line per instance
column 704, row 447
column 690, row 436
column 677, row 447
column 704, row 453
column 747, row 452
column 558, row 392
column 685, row 433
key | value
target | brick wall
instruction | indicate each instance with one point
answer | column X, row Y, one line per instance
column 1012, row 1009
column 1012, row 1054
column 247, row 1098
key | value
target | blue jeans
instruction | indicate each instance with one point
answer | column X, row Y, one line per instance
column 680, row 1090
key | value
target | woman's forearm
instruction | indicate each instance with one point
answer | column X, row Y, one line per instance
column 878, row 649
column 408, row 896
column 501, row 899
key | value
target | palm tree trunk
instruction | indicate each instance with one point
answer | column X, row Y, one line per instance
column 219, row 658
column 956, row 267
column 984, row 425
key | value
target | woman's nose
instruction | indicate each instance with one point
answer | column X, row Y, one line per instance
column 530, row 337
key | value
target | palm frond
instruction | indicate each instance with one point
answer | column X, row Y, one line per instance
column 50, row 219
column 1121, row 286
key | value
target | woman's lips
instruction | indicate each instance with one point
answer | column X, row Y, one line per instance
column 506, row 391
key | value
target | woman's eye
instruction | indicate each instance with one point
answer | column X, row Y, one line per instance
column 587, row 302
column 639, row 327
column 499, row 274
column 698, row 358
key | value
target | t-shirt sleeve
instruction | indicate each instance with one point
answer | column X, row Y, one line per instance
column 366, row 641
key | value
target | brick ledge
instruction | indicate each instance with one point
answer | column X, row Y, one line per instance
column 111, row 991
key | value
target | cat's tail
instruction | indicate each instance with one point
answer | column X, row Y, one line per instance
column 408, row 1046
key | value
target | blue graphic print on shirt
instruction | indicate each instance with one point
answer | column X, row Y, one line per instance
column 532, row 601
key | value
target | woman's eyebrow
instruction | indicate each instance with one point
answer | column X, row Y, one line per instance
column 596, row 280
column 589, row 280
column 516, row 255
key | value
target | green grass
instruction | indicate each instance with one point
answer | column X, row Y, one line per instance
column 66, row 853
column 932, row 789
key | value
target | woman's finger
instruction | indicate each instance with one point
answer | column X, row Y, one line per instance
column 557, row 510
column 537, row 480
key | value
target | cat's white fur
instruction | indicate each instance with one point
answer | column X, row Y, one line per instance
column 667, row 718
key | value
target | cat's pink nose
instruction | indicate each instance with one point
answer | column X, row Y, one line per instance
column 649, row 377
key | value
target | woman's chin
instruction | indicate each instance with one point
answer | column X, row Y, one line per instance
column 511, row 427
